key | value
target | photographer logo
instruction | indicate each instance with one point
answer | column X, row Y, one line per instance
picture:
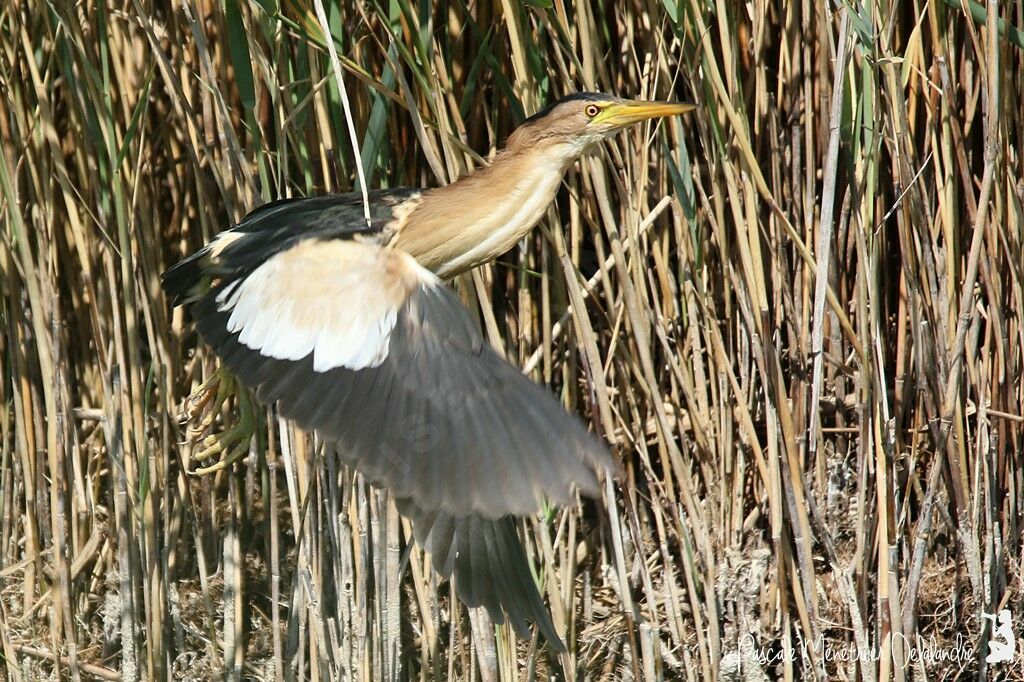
column 1003, row 642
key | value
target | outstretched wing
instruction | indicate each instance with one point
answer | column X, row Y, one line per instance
column 372, row 351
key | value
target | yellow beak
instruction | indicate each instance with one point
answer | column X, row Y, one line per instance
column 623, row 114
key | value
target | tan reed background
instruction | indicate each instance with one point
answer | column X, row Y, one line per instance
column 796, row 315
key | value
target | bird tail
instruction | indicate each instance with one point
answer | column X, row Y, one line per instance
column 488, row 564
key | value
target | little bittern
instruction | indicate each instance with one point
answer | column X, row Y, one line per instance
column 350, row 329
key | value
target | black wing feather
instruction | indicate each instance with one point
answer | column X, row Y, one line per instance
column 278, row 226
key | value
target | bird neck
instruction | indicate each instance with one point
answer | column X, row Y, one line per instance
column 482, row 215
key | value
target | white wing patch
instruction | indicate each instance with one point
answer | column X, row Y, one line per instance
column 337, row 300
column 222, row 241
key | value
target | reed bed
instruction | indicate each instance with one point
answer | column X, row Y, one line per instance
column 797, row 316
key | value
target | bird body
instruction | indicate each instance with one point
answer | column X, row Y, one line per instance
column 349, row 328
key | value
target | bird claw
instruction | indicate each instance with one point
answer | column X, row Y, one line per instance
column 201, row 410
column 197, row 404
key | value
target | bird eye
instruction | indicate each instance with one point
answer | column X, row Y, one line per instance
column 591, row 110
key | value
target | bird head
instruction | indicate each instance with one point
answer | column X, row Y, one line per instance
column 577, row 122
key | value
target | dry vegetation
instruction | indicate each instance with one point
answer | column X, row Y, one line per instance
column 798, row 315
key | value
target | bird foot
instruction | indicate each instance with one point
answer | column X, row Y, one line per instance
column 201, row 411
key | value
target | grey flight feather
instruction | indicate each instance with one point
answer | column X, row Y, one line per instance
column 443, row 420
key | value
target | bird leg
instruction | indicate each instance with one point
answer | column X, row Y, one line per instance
column 203, row 407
